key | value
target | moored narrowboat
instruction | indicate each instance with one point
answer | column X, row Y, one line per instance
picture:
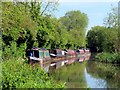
column 80, row 52
column 87, row 50
column 70, row 53
column 38, row 55
column 57, row 54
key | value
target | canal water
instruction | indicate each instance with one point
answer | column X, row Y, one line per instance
column 77, row 73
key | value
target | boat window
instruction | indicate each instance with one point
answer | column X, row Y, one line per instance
column 41, row 54
column 59, row 52
column 36, row 54
column 47, row 54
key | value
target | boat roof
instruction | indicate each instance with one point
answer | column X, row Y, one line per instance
column 36, row 48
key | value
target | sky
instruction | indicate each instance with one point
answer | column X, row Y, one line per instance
column 96, row 10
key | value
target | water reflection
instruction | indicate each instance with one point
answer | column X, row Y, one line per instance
column 46, row 68
column 81, row 59
column 72, row 74
column 94, row 82
column 58, row 64
column 80, row 73
column 107, row 72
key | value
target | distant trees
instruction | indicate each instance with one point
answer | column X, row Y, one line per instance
column 75, row 22
column 95, row 37
column 105, row 38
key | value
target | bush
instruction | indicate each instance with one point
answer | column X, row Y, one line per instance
column 108, row 57
column 14, row 52
column 17, row 74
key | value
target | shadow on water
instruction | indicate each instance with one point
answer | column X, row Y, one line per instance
column 84, row 74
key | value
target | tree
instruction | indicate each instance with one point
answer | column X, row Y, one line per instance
column 46, row 32
column 111, row 42
column 18, row 29
column 48, row 7
column 112, row 18
column 95, row 37
column 17, row 23
column 101, row 39
column 112, row 21
column 75, row 22
column 41, row 14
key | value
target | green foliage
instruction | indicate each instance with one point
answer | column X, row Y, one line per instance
column 108, row 57
column 106, row 38
column 17, row 74
column 26, row 26
column 111, row 41
column 17, row 22
column 95, row 38
column 14, row 52
column 75, row 22
column 46, row 32
column 100, row 39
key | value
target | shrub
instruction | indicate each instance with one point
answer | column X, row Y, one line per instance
column 14, row 52
column 108, row 57
column 17, row 74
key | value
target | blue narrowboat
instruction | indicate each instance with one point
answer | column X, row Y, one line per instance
column 39, row 55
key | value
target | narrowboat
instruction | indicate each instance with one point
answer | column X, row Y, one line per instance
column 87, row 50
column 71, row 53
column 87, row 54
column 57, row 54
column 80, row 52
column 38, row 55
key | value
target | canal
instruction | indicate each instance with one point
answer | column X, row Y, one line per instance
column 86, row 74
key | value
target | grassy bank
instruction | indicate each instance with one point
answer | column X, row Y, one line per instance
column 108, row 57
column 18, row 74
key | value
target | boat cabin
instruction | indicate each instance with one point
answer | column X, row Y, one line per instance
column 38, row 54
column 57, row 53
column 87, row 50
column 71, row 52
column 80, row 51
